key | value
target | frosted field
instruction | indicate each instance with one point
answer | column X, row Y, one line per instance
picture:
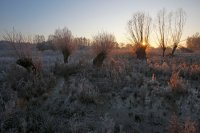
column 125, row 95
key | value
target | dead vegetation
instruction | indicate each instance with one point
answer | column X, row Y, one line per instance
column 176, row 83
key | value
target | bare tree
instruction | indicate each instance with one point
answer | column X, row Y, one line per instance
column 163, row 29
column 103, row 43
column 178, row 22
column 19, row 43
column 139, row 30
column 63, row 39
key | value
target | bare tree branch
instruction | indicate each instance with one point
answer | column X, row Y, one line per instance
column 17, row 41
column 178, row 22
column 139, row 28
column 139, row 31
column 163, row 26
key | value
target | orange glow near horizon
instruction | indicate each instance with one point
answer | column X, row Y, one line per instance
column 143, row 43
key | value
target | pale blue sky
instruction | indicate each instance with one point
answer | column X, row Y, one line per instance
column 87, row 17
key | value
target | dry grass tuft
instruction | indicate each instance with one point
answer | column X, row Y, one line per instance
column 174, row 124
column 176, row 83
column 88, row 92
column 189, row 127
column 176, row 127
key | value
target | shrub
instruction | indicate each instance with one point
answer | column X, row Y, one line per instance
column 21, row 48
column 26, row 63
column 186, row 50
column 176, row 83
column 103, row 43
column 29, row 85
column 63, row 39
column 31, row 65
column 88, row 92
column 38, row 65
column 195, row 71
column 189, row 127
column 193, row 42
column 174, row 124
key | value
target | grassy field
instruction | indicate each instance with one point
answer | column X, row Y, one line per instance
column 125, row 95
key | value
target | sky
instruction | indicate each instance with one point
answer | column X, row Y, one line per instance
column 88, row 17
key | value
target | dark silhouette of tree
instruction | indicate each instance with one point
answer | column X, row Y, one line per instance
column 103, row 43
column 63, row 39
column 139, row 31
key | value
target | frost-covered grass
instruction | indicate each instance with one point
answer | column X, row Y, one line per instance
column 125, row 95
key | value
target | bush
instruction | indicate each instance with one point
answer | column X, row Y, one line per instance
column 189, row 127
column 186, row 50
column 194, row 42
column 195, row 71
column 63, row 39
column 174, row 124
column 27, row 63
column 88, row 92
column 21, row 48
column 176, row 83
column 103, row 43
column 29, row 85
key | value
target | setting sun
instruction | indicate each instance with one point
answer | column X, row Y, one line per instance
column 143, row 43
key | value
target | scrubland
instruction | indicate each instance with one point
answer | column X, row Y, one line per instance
column 124, row 95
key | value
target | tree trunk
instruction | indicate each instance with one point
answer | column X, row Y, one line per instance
column 141, row 53
column 98, row 60
column 66, row 55
column 163, row 54
column 173, row 50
